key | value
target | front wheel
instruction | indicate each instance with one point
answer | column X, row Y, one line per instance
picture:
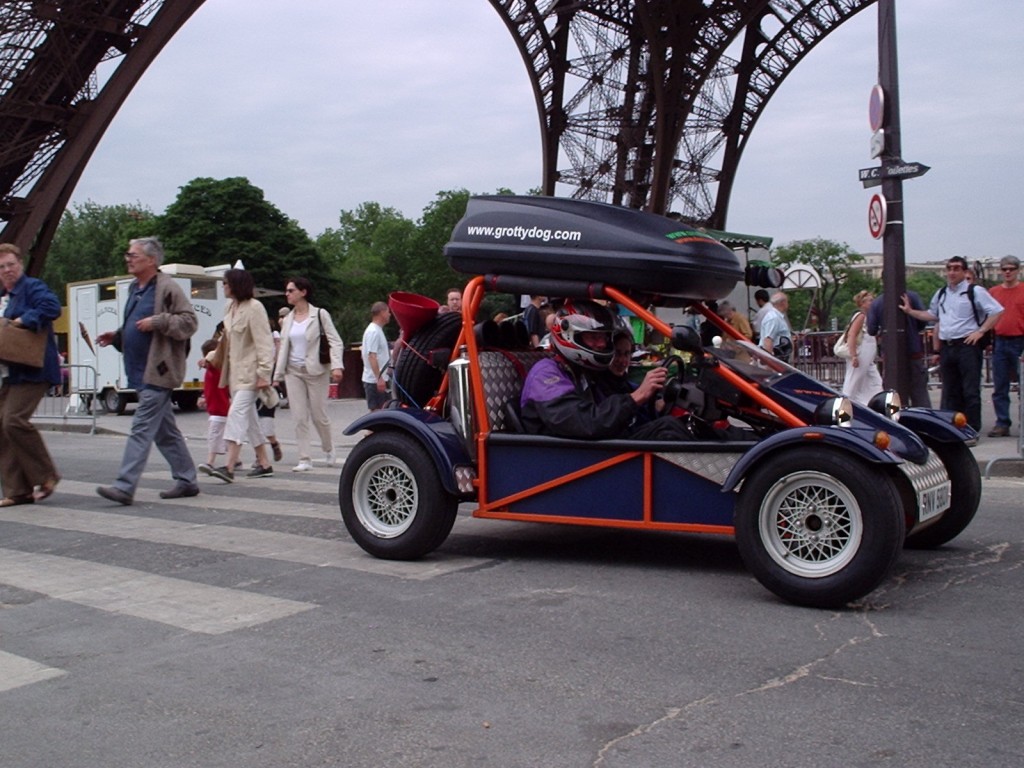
column 392, row 500
column 965, row 495
column 819, row 528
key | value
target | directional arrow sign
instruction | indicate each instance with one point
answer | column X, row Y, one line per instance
column 872, row 177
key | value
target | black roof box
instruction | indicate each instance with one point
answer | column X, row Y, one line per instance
column 549, row 237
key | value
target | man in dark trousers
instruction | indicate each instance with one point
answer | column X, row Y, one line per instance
column 1009, row 342
column 965, row 313
column 916, row 354
column 158, row 322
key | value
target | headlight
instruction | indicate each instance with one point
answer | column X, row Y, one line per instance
column 887, row 403
column 835, row 411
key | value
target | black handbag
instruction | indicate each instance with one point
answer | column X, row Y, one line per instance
column 325, row 346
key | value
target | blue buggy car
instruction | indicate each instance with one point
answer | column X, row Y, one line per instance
column 821, row 495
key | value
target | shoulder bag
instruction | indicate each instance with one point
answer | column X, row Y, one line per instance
column 325, row 346
column 22, row 346
column 842, row 345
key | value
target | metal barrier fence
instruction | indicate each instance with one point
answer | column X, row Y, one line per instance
column 813, row 355
column 1020, row 421
column 74, row 400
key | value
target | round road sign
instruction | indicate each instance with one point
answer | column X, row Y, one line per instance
column 876, row 216
column 876, row 108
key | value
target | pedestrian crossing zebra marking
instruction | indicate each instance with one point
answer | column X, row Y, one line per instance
column 16, row 671
column 178, row 603
column 251, row 542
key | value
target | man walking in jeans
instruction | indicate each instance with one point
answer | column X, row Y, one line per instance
column 158, row 322
column 1009, row 344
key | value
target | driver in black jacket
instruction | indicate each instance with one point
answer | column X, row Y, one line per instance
column 559, row 396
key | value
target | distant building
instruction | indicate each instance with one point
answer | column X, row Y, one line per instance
column 872, row 267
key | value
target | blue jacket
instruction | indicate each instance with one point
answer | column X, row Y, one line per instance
column 37, row 306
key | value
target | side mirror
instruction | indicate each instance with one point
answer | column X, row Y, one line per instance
column 685, row 339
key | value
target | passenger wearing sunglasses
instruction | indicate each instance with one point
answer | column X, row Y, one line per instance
column 1009, row 343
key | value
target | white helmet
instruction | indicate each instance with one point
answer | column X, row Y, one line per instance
column 583, row 316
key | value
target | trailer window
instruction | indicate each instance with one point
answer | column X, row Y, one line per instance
column 204, row 288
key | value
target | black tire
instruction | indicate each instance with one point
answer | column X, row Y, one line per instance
column 417, row 371
column 965, row 496
column 115, row 402
column 188, row 402
column 819, row 528
column 392, row 500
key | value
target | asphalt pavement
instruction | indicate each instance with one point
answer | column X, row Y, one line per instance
column 243, row 627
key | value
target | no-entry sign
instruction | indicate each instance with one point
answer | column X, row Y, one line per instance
column 876, row 216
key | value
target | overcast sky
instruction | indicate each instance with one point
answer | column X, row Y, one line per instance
column 325, row 105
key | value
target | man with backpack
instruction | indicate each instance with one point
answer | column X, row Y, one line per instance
column 965, row 312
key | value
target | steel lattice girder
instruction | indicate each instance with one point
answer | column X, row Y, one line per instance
column 65, row 70
column 639, row 100
column 649, row 103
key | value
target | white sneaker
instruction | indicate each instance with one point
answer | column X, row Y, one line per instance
column 330, row 458
column 304, row 465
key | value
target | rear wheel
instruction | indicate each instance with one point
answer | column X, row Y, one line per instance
column 965, row 495
column 819, row 528
column 392, row 500
column 115, row 402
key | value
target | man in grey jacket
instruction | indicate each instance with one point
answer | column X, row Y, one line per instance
column 158, row 322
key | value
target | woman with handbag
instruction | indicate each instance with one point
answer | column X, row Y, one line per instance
column 862, row 379
column 248, row 360
column 27, row 471
column 310, row 357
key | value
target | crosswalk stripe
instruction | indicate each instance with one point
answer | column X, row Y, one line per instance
column 288, row 547
column 233, row 503
column 16, row 671
column 185, row 604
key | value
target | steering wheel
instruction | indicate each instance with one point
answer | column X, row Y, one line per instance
column 674, row 385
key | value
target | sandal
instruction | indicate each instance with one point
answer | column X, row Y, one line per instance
column 46, row 490
column 13, row 501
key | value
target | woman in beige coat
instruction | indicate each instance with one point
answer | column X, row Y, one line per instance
column 306, row 378
column 246, row 369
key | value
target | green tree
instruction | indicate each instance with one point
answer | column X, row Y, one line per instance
column 925, row 283
column 428, row 272
column 367, row 254
column 222, row 221
column 90, row 242
column 832, row 262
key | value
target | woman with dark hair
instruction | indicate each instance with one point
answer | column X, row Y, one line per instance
column 248, row 363
column 305, row 374
column 27, row 471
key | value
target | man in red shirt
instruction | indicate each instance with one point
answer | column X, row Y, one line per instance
column 1009, row 343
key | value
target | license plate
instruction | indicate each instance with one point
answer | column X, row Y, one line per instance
column 933, row 501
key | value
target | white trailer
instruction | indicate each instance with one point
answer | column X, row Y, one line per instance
column 95, row 307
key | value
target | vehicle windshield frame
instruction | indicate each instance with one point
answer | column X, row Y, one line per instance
column 751, row 361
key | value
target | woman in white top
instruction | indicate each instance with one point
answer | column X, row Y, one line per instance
column 306, row 378
column 862, row 377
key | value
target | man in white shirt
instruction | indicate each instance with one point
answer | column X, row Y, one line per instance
column 964, row 313
column 375, row 355
column 776, row 337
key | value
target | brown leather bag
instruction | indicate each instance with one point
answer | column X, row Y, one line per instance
column 20, row 345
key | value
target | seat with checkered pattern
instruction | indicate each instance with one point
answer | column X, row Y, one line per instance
column 503, row 373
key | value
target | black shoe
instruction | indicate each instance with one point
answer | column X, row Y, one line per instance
column 223, row 473
column 278, row 452
column 180, row 491
column 260, row 472
column 115, row 494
